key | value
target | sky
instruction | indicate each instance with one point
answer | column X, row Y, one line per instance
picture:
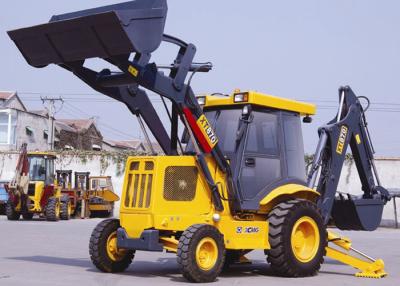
column 302, row 50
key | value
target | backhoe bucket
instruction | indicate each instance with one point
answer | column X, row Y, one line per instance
column 105, row 32
column 357, row 214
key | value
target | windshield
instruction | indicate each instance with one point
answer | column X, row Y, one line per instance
column 225, row 123
column 99, row 183
column 37, row 169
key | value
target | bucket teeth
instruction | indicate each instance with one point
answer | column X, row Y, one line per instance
column 375, row 270
column 371, row 275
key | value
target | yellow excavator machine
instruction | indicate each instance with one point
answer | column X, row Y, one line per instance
column 239, row 184
column 33, row 189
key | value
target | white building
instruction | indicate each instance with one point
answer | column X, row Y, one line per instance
column 18, row 125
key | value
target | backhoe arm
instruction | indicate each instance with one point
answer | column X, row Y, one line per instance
column 349, row 127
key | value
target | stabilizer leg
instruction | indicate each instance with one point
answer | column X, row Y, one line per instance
column 369, row 267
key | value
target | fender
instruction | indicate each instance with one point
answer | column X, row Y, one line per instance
column 293, row 190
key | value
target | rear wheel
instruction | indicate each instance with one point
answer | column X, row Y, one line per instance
column 103, row 249
column 297, row 237
column 11, row 213
column 201, row 253
column 66, row 208
column 53, row 209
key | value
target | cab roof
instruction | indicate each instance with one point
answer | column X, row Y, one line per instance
column 262, row 100
column 42, row 154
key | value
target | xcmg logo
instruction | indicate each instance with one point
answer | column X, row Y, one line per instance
column 248, row 229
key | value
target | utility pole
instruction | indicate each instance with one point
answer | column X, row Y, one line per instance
column 51, row 109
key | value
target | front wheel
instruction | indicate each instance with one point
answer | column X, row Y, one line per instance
column 103, row 249
column 11, row 213
column 53, row 209
column 297, row 237
column 201, row 253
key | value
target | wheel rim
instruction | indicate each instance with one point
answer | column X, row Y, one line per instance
column 114, row 253
column 69, row 209
column 57, row 209
column 206, row 253
column 305, row 239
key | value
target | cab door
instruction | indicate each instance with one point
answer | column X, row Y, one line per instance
column 261, row 160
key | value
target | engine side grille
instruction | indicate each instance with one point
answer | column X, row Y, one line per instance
column 180, row 183
column 139, row 186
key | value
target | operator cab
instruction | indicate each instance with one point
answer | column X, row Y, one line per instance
column 41, row 167
column 261, row 137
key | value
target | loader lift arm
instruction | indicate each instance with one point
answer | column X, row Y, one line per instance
column 113, row 33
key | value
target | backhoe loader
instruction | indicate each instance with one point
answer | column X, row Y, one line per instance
column 240, row 184
column 33, row 189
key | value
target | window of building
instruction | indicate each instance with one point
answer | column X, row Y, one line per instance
column 4, row 128
column 96, row 147
column 8, row 126
column 29, row 130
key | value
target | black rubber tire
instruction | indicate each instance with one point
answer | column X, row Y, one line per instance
column 51, row 213
column 186, row 254
column 3, row 209
column 64, row 214
column 10, row 211
column 281, row 221
column 98, row 248
column 27, row 216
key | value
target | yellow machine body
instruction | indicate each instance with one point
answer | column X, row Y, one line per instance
column 100, row 197
column 262, row 100
column 36, row 189
column 168, row 193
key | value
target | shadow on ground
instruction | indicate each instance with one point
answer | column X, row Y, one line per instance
column 76, row 262
column 162, row 267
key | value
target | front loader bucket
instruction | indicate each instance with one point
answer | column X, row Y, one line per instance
column 105, row 32
column 357, row 213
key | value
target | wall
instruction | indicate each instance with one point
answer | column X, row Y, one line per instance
column 21, row 120
column 14, row 103
column 82, row 139
column 38, row 124
column 112, row 165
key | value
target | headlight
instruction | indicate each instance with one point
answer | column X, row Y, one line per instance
column 241, row 97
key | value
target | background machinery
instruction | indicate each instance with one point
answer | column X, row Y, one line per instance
column 91, row 196
column 3, row 197
column 33, row 189
column 71, row 196
column 100, row 197
column 240, row 185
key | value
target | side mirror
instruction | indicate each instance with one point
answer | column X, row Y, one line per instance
column 245, row 119
column 307, row 119
column 246, row 112
column 185, row 137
